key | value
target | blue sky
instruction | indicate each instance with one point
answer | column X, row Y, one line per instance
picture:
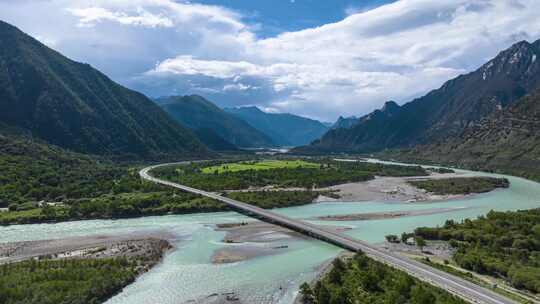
column 277, row 16
column 316, row 58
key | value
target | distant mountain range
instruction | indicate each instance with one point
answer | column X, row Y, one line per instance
column 72, row 105
column 210, row 121
column 487, row 119
column 283, row 129
column 446, row 112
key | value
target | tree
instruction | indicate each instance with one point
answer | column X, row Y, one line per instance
column 420, row 295
column 536, row 230
column 335, row 275
column 323, row 295
column 392, row 238
column 420, row 242
column 405, row 236
column 48, row 211
column 307, row 293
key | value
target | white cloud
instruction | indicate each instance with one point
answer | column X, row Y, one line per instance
column 397, row 51
column 187, row 65
column 92, row 15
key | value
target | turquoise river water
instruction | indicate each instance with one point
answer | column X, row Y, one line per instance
column 187, row 272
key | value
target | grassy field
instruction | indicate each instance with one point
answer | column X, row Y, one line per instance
column 259, row 165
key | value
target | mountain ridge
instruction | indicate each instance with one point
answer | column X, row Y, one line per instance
column 284, row 129
column 442, row 112
column 198, row 113
column 507, row 142
column 76, row 107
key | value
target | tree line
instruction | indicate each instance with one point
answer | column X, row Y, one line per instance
column 500, row 244
column 364, row 280
column 68, row 281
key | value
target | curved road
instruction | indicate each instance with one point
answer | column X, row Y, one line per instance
column 455, row 285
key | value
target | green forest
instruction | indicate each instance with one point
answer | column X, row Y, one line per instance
column 277, row 199
column 43, row 183
column 126, row 205
column 461, row 185
column 500, row 244
column 87, row 281
column 33, row 171
column 364, row 280
column 327, row 173
column 87, row 187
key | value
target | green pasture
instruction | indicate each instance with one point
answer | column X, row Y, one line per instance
column 259, row 165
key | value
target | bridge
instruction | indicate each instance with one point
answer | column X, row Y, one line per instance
column 464, row 289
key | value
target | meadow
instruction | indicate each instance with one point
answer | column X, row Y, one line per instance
column 258, row 165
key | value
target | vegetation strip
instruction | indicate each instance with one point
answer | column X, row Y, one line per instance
column 501, row 244
column 41, row 183
column 461, row 185
column 90, row 275
column 364, row 280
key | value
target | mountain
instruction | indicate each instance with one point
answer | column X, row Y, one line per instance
column 345, row 122
column 72, row 105
column 197, row 113
column 445, row 112
column 284, row 129
column 327, row 124
column 507, row 141
column 215, row 142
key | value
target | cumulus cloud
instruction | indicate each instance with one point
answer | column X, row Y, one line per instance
column 397, row 51
column 92, row 15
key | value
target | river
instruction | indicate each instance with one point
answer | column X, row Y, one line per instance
column 187, row 272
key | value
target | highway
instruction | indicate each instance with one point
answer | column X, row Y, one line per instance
column 455, row 285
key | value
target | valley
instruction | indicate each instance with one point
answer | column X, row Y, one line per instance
column 185, row 152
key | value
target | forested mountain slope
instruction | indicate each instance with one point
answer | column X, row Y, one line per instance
column 284, row 129
column 72, row 105
column 206, row 118
column 345, row 122
column 507, row 141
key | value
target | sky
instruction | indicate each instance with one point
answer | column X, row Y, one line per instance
column 316, row 58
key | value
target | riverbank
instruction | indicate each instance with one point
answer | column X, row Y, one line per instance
column 322, row 271
column 149, row 245
column 392, row 189
column 385, row 215
column 380, row 189
column 75, row 270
